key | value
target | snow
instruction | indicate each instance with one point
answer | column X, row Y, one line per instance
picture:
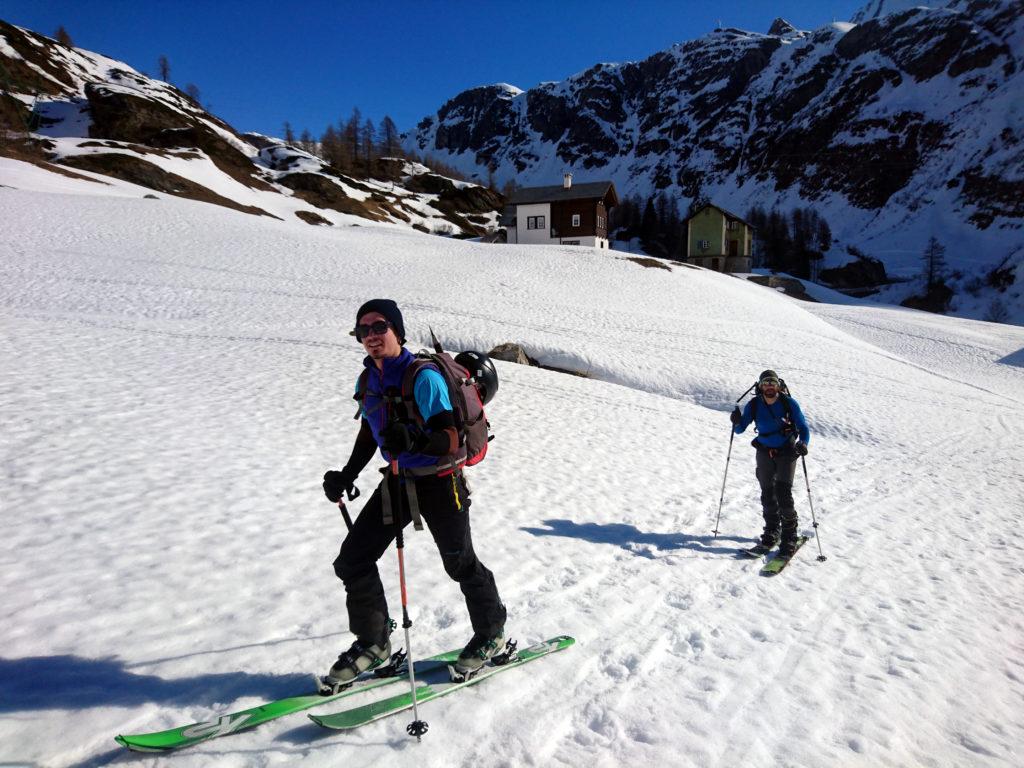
column 180, row 378
column 7, row 50
column 876, row 9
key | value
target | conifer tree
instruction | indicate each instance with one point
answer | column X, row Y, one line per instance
column 934, row 258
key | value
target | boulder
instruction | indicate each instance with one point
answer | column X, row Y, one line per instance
column 512, row 353
column 862, row 273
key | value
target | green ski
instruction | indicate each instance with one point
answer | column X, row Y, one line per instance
column 187, row 735
column 777, row 563
column 437, row 685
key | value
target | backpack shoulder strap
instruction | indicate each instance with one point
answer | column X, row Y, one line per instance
column 784, row 396
column 360, row 393
column 420, row 361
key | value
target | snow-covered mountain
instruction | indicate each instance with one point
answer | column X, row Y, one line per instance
column 99, row 118
column 905, row 125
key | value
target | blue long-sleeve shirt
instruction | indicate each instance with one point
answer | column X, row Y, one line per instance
column 429, row 390
column 771, row 422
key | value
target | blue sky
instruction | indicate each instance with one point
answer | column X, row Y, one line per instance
column 260, row 63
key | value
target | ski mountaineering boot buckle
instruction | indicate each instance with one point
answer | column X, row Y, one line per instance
column 357, row 659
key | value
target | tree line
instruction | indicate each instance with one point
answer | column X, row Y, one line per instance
column 354, row 145
column 793, row 242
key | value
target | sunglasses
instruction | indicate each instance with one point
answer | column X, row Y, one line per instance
column 377, row 328
column 770, row 383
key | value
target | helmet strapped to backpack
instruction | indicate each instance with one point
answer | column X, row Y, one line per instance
column 484, row 374
column 465, row 396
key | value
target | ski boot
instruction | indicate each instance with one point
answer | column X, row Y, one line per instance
column 360, row 657
column 480, row 650
column 764, row 546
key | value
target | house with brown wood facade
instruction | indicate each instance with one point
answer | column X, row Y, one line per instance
column 569, row 214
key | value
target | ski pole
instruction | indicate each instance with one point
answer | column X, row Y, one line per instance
column 817, row 538
column 417, row 727
column 353, row 493
column 732, row 434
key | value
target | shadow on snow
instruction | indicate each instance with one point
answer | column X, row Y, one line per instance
column 632, row 539
column 1014, row 358
column 74, row 682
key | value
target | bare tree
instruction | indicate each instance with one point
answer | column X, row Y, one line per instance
column 389, row 146
column 289, row 133
column 192, row 91
column 350, row 135
column 306, row 143
column 63, row 37
column 331, row 148
column 369, row 144
column 165, row 68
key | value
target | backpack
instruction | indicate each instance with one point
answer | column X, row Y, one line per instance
column 784, row 397
column 467, row 406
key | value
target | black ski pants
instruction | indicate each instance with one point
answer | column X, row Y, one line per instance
column 444, row 505
column 776, row 469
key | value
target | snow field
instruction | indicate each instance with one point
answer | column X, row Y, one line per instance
column 180, row 378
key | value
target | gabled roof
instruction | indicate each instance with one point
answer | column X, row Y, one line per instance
column 594, row 190
column 728, row 214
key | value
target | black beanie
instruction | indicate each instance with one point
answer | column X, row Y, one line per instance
column 769, row 374
column 390, row 310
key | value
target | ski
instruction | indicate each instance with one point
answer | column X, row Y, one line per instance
column 777, row 563
column 188, row 735
column 437, row 686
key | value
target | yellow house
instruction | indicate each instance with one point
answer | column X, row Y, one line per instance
column 719, row 240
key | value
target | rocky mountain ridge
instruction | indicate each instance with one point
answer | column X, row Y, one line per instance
column 77, row 112
column 907, row 125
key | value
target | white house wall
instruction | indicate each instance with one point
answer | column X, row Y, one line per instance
column 533, row 236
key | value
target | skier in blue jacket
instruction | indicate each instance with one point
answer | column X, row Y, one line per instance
column 782, row 437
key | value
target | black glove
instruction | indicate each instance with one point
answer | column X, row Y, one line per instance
column 336, row 483
column 801, row 449
column 396, row 439
column 736, row 417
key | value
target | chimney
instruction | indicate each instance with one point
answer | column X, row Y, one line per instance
column 567, row 181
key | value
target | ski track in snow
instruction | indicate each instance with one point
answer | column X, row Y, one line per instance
column 179, row 379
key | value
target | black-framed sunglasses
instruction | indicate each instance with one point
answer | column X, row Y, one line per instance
column 376, row 328
column 770, row 383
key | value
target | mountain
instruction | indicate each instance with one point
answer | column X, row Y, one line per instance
column 906, row 125
column 90, row 116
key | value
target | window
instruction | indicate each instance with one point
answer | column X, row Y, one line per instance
column 600, row 222
column 535, row 222
column 570, row 242
column 704, row 245
column 734, row 225
column 575, row 219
